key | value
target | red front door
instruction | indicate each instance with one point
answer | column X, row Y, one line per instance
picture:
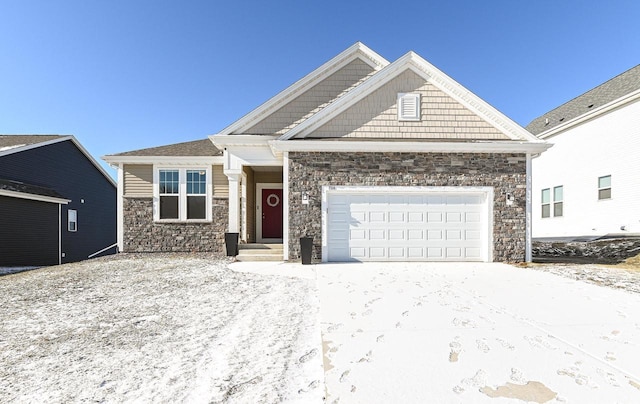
column 271, row 213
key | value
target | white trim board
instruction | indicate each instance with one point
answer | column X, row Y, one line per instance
column 487, row 193
column 34, row 197
column 259, row 187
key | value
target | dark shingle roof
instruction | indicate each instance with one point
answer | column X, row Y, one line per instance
column 611, row 90
column 9, row 141
column 194, row 148
column 17, row 186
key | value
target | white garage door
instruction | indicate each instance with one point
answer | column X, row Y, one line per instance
column 406, row 226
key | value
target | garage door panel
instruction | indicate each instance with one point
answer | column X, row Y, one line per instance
column 435, row 217
column 415, row 217
column 403, row 226
column 396, row 217
column 377, row 217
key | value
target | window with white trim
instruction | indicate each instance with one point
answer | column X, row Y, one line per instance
column 558, row 202
column 182, row 194
column 72, row 220
column 546, row 202
column 408, row 106
column 558, row 205
column 604, row 187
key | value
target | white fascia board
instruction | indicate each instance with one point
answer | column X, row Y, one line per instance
column 175, row 160
column 627, row 99
column 357, row 50
column 34, row 145
column 431, row 74
column 241, row 140
column 34, row 197
column 408, row 147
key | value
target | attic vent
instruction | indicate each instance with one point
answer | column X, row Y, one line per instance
column 408, row 106
column 590, row 106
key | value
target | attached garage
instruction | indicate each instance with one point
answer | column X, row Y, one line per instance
column 407, row 223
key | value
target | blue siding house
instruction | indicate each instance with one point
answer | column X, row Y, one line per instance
column 57, row 203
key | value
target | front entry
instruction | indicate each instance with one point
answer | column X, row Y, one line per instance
column 269, row 212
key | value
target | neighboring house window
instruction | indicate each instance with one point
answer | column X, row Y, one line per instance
column 182, row 194
column 169, row 194
column 604, row 187
column 72, row 216
column 546, row 202
column 557, row 201
column 558, row 197
column 408, row 107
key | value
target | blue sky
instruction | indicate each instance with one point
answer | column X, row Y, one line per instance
column 128, row 74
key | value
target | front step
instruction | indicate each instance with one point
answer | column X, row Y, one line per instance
column 260, row 252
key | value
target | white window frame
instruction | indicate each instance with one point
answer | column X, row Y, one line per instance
column 547, row 204
column 182, row 193
column 605, row 188
column 558, row 201
column 72, row 213
column 408, row 97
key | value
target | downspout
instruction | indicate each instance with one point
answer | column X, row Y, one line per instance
column 528, row 242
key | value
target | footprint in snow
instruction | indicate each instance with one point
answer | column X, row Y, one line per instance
column 334, row 327
column 380, row 338
column 367, row 312
column 307, row 357
column 482, row 345
column 344, row 376
column 405, row 314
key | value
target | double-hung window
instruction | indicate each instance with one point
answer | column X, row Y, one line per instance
column 558, row 204
column 182, row 194
column 604, row 187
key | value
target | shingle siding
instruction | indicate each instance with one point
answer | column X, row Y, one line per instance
column 376, row 116
column 505, row 173
column 327, row 90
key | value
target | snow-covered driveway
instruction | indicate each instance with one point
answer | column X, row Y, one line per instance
column 158, row 328
column 470, row 333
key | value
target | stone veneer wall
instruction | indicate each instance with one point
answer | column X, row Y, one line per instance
column 142, row 234
column 506, row 173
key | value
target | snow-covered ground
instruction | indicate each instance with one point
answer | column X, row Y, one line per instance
column 475, row 333
column 193, row 328
column 158, row 328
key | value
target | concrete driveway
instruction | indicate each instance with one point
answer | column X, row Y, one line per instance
column 470, row 333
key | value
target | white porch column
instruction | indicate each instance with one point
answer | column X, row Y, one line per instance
column 285, row 206
column 527, row 247
column 234, row 202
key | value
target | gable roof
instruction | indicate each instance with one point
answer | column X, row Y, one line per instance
column 430, row 73
column 202, row 147
column 589, row 102
column 10, row 144
column 356, row 51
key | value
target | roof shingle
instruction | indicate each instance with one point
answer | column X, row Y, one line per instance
column 194, row 148
column 611, row 90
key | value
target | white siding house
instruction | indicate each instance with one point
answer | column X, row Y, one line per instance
column 588, row 182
